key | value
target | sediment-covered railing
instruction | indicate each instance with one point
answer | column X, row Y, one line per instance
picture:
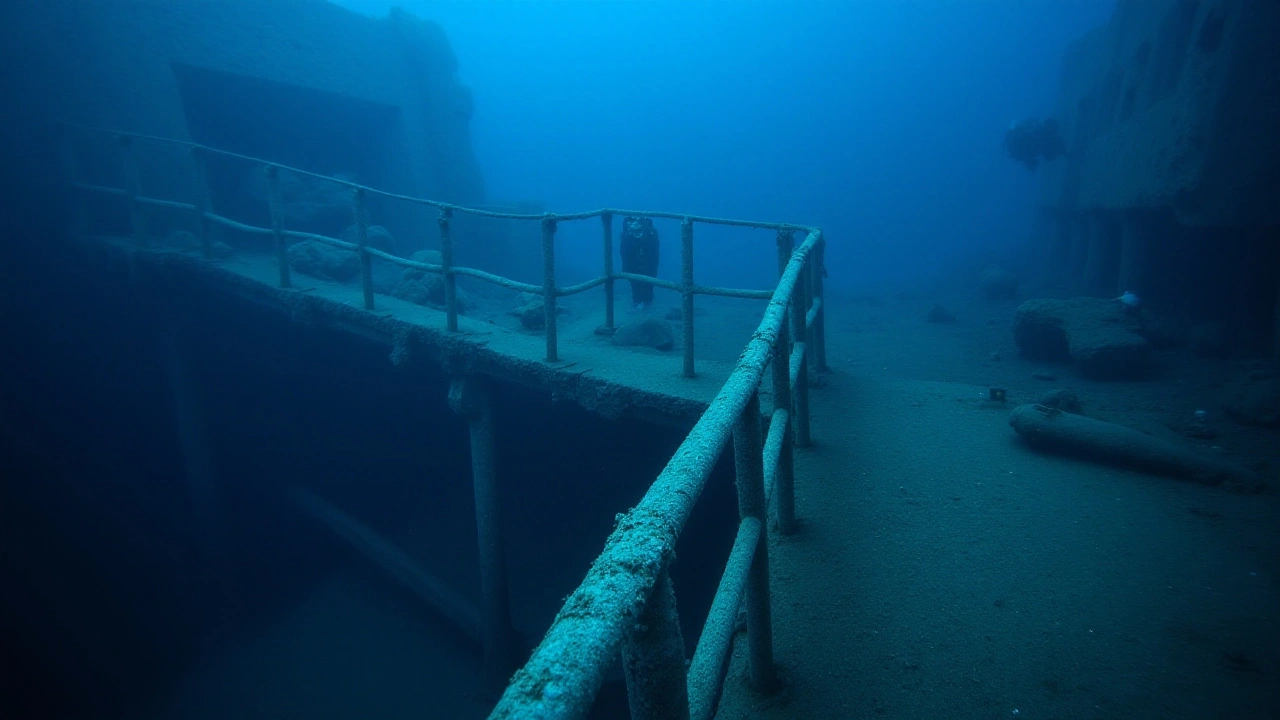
column 626, row 603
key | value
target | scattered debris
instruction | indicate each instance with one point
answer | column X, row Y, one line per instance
column 647, row 332
column 1100, row 335
column 997, row 284
column 1254, row 398
column 1088, row 439
column 939, row 314
column 1063, row 400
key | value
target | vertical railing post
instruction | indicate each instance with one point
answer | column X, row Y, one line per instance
column 200, row 188
column 277, row 223
column 686, row 292
column 799, row 338
column 137, row 220
column 472, row 398
column 606, row 221
column 653, row 659
column 446, row 266
column 818, row 333
column 71, row 174
column 749, row 465
column 362, row 245
column 549, row 284
column 784, row 477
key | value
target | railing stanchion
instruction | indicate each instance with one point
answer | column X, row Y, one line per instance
column 446, row 265
column 137, row 219
column 784, row 477
column 818, row 334
column 748, row 462
column 800, row 338
column 606, row 221
column 277, row 223
column 549, row 284
column 200, row 188
column 362, row 245
column 686, row 292
column 653, row 659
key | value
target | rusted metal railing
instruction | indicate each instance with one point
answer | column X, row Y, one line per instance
column 626, row 604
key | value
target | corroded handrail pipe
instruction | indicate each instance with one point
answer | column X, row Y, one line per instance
column 567, row 668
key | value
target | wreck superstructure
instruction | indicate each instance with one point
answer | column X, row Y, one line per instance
column 1171, row 183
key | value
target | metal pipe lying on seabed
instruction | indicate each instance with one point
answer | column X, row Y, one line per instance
column 1079, row 436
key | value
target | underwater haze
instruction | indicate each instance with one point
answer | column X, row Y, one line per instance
column 317, row 402
column 879, row 121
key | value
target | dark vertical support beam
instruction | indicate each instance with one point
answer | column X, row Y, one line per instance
column 1052, row 228
column 749, row 465
column 277, row 223
column 446, row 265
column 190, row 423
column 818, row 333
column 1095, row 265
column 686, row 293
column 1275, row 319
column 1134, row 240
column 361, row 213
column 200, row 191
column 549, row 284
column 784, row 475
column 606, row 222
column 472, row 398
column 1079, row 226
column 137, row 218
column 653, row 659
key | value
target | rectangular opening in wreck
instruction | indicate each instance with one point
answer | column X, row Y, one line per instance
column 314, row 130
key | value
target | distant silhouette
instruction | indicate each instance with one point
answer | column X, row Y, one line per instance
column 640, row 256
column 1029, row 140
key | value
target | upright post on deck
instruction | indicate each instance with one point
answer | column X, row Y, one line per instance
column 200, row 189
column 472, row 398
column 749, row 466
column 800, row 339
column 362, row 245
column 686, row 292
column 818, row 333
column 549, row 284
column 653, row 659
column 784, row 475
column 606, row 221
column 446, row 267
column 137, row 220
column 277, row 223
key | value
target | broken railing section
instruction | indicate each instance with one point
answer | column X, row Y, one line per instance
column 627, row 603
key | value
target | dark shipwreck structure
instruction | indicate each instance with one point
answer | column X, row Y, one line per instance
column 1170, row 187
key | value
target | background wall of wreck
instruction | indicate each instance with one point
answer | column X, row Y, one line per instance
column 116, row 64
column 1174, row 104
column 1171, row 183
